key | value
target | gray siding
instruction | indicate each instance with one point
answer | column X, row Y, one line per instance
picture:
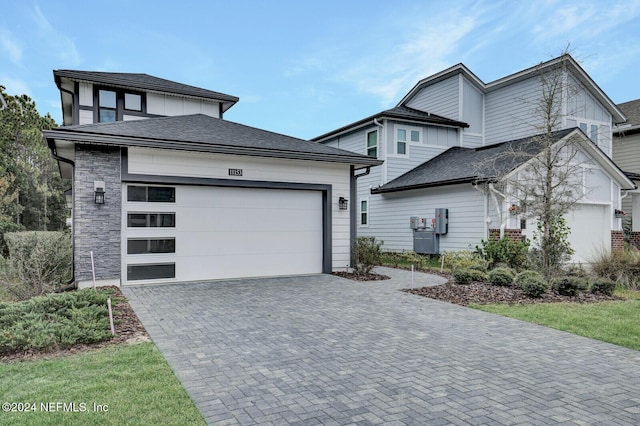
column 471, row 141
column 510, row 112
column 96, row 227
column 472, row 108
column 626, row 153
column 390, row 213
column 441, row 98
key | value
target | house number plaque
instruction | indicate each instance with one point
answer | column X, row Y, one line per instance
column 235, row 172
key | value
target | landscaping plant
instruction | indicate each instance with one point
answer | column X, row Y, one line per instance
column 531, row 283
column 603, row 286
column 501, row 276
column 367, row 254
column 505, row 250
column 569, row 285
column 622, row 267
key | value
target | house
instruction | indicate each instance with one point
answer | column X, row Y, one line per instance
column 166, row 190
column 626, row 154
column 434, row 138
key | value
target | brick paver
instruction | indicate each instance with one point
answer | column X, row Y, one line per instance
column 325, row 350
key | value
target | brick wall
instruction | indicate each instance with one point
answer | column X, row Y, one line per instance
column 97, row 226
column 635, row 239
column 514, row 234
column 617, row 241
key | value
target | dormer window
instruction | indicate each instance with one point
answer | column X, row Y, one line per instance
column 114, row 104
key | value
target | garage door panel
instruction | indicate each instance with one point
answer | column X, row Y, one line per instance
column 226, row 232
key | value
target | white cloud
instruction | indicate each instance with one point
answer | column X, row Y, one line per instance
column 11, row 47
column 61, row 45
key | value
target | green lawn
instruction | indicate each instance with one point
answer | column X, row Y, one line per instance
column 614, row 322
column 130, row 384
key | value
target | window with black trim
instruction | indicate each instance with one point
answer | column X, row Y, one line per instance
column 151, row 220
column 152, row 271
column 150, row 246
column 151, row 194
column 113, row 104
column 106, row 106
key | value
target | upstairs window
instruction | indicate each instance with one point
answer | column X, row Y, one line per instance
column 404, row 136
column 590, row 130
column 364, row 212
column 106, row 106
column 133, row 102
column 372, row 144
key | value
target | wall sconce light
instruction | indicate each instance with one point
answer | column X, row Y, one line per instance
column 343, row 203
column 98, row 192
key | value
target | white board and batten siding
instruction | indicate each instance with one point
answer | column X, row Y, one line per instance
column 389, row 216
column 302, row 220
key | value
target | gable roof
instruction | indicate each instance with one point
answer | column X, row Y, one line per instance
column 465, row 165
column 399, row 112
column 202, row 133
column 632, row 110
column 564, row 60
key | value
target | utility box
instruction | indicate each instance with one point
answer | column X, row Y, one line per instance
column 425, row 241
column 416, row 222
column 442, row 221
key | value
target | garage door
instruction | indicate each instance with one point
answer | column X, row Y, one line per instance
column 590, row 231
column 189, row 233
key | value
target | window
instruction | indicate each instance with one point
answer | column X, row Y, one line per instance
column 364, row 212
column 151, row 194
column 372, row 144
column 113, row 104
column 405, row 135
column 106, row 106
column 590, row 130
column 147, row 246
column 151, row 271
column 151, row 220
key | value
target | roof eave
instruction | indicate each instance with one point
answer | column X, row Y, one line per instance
column 383, row 190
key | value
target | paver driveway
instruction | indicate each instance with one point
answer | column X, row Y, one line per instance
column 326, row 350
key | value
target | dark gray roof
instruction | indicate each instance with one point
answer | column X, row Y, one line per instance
column 462, row 165
column 632, row 110
column 141, row 82
column 398, row 113
column 203, row 133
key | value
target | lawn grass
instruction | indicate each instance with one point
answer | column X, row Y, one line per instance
column 133, row 382
column 614, row 322
column 395, row 260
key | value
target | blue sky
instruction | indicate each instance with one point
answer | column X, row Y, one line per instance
column 303, row 68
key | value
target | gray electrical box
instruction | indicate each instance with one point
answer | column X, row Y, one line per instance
column 416, row 222
column 425, row 241
column 442, row 221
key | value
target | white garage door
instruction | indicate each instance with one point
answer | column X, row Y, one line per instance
column 188, row 233
column 590, row 226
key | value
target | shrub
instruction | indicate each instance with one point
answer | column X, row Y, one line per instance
column 38, row 263
column 504, row 250
column 569, row 286
column 527, row 275
column 54, row 321
column 463, row 259
column 622, row 267
column 603, row 286
column 533, row 285
column 5, row 228
column 367, row 254
column 462, row 276
column 501, row 276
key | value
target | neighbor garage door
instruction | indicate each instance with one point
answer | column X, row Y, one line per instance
column 189, row 233
column 590, row 231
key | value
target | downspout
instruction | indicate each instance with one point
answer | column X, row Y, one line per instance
column 73, row 228
column 494, row 191
column 354, row 207
column 485, row 212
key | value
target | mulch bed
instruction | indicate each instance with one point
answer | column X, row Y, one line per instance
column 127, row 326
column 484, row 293
column 361, row 277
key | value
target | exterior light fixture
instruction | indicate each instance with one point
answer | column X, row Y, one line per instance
column 98, row 192
column 343, row 203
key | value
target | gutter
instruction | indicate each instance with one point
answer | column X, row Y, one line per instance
column 55, row 156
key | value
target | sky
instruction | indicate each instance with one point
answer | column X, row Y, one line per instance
column 306, row 67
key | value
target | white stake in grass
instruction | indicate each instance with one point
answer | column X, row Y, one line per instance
column 93, row 272
column 113, row 330
column 412, row 276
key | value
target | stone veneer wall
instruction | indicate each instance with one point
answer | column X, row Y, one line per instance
column 97, row 227
column 514, row 234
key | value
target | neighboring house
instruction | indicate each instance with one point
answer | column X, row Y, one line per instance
column 626, row 154
column 166, row 190
column 431, row 141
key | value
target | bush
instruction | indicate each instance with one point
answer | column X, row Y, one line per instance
column 6, row 227
column 505, row 250
column 527, row 275
column 569, row 285
column 54, row 321
column 603, row 286
column 622, row 267
column 501, row 276
column 463, row 259
column 367, row 254
column 533, row 285
column 466, row 276
column 38, row 263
